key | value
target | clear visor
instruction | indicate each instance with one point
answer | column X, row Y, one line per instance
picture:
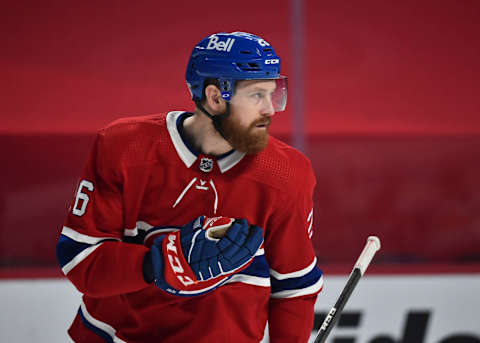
column 279, row 96
column 276, row 99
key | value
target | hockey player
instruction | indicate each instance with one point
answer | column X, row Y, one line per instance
column 196, row 227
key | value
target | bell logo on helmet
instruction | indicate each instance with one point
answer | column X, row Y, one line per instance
column 273, row 61
column 214, row 44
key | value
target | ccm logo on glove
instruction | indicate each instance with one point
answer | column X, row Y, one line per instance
column 173, row 259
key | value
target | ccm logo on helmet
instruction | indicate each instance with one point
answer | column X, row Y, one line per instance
column 274, row 61
column 214, row 44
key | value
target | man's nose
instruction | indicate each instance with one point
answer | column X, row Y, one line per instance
column 268, row 109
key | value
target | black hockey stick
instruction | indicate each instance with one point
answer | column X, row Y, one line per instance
column 372, row 246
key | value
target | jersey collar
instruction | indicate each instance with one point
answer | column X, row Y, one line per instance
column 187, row 155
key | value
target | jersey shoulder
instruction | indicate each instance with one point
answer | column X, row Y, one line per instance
column 283, row 167
column 133, row 140
column 132, row 127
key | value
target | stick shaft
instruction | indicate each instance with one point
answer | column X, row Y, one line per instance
column 334, row 314
column 372, row 246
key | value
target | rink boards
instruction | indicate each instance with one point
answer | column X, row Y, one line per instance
column 383, row 309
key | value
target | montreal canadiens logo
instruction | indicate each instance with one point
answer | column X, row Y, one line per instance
column 206, row 165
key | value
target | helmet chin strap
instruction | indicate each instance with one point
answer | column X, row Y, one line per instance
column 218, row 119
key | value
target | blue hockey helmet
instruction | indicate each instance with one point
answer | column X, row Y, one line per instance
column 230, row 57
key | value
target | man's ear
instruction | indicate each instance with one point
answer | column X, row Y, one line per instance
column 214, row 100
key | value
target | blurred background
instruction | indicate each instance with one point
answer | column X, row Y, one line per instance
column 383, row 98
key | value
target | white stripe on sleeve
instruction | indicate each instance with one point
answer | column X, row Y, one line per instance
column 101, row 325
column 79, row 258
column 250, row 279
column 298, row 273
column 81, row 238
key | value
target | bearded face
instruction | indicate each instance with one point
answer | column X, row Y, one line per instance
column 246, row 128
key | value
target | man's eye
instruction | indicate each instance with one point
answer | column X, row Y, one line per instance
column 257, row 95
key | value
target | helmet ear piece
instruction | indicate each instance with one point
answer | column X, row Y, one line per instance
column 226, row 87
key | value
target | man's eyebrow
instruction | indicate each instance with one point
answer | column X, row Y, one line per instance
column 256, row 89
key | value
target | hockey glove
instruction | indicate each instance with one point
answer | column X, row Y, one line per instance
column 191, row 262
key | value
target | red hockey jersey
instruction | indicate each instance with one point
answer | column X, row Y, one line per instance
column 142, row 175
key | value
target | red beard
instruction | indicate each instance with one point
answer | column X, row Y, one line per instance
column 249, row 139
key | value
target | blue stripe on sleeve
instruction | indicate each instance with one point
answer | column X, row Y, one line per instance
column 298, row 282
column 259, row 267
column 67, row 249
